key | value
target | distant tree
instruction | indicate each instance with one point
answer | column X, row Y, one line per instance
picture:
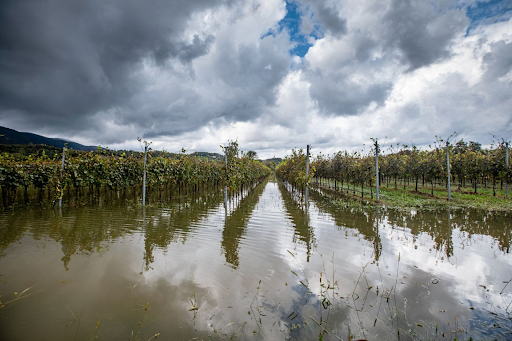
column 475, row 146
column 251, row 154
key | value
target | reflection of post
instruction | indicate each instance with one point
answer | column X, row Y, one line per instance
column 377, row 244
column 307, row 175
column 144, row 177
column 448, row 168
column 449, row 241
column 61, row 176
column 147, row 257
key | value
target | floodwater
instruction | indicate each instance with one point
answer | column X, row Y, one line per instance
column 264, row 267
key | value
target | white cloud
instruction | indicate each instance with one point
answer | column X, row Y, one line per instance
column 402, row 70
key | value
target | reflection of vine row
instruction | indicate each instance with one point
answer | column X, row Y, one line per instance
column 236, row 221
column 303, row 232
column 366, row 222
column 438, row 224
column 93, row 171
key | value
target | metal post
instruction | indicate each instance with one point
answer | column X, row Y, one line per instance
column 506, row 163
column 376, row 170
column 307, row 173
column 448, row 168
column 144, row 177
column 226, row 184
column 62, row 175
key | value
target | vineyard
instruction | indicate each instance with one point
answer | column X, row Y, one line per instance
column 293, row 170
column 92, row 172
column 472, row 169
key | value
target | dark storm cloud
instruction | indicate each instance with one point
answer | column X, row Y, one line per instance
column 329, row 19
column 63, row 61
column 498, row 61
column 118, row 69
column 323, row 15
column 364, row 45
column 338, row 95
column 238, row 85
column 408, row 34
column 254, row 72
column 421, row 31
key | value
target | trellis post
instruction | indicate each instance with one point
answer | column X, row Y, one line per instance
column 376, row 170
column 307, row 173
column 506, row 163
column 226, row 181
column 448, row 169
column 62, row 175
column 144, row 176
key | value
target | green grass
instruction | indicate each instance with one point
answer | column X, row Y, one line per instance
column 423, row 199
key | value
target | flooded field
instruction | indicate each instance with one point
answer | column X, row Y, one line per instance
column 264, row 267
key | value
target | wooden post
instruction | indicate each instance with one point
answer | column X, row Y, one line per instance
column 144, row 176
column 62, row 175
column 226, row 181
column 307, row 174
column 448, row 169
column 376, row 170
column 506, row 163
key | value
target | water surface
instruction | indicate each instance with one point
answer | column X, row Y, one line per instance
column 265, row 267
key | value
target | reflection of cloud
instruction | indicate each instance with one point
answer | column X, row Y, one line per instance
column 462, row 275
column 423, row 240
column 186, row 260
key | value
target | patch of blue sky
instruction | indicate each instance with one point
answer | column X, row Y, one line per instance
column 292, row 22
column 488, row 12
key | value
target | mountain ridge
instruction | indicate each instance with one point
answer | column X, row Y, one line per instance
column 11, row 136
column 14, row 137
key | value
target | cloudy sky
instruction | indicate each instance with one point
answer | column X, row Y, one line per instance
column 273, row 74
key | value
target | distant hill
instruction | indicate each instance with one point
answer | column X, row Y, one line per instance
column 271, row 163
column 214, row 156
column 15, row 142
column 11, row 136
column 276, row 160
